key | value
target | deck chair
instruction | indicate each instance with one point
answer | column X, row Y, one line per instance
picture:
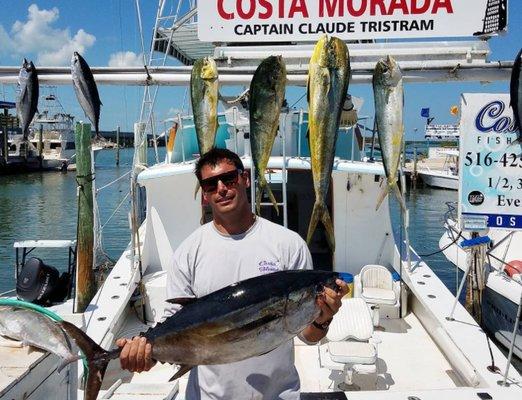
column 351, row 344
column 376, row 286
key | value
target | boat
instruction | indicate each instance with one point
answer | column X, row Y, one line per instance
column 50, row 145
column 411, row 348
column 442, row 170
column 503, row 292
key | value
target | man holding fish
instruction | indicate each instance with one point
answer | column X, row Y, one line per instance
column 235, row 246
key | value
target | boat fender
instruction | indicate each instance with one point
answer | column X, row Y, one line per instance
column 513, row 268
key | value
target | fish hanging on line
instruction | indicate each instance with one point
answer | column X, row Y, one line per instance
column 328, row 80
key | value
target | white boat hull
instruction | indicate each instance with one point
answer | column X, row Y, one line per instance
column 440, row 180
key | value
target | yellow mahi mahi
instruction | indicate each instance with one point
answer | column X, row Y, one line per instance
column 328, row 78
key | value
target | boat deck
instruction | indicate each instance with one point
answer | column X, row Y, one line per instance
column 408, row 359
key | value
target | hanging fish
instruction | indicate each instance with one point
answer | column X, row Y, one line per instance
column 389, row 102
column 204, row 96
column 267, row 92
column 27, row 102
column 86, row 90
column 328, row 79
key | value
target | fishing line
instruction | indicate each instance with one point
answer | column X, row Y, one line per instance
column 444, row 248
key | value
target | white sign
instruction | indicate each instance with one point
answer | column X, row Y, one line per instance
column 490, row 162
column 308, row 20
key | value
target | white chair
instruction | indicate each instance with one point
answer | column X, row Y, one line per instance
column 376, row 286
column 351, row 347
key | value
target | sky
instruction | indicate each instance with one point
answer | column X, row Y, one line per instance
column 106, row 33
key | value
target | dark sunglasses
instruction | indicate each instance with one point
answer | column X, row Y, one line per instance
column 229, row 179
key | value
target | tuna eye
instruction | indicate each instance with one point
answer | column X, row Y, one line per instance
column 319, row 288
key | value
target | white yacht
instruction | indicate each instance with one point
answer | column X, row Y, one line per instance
column 443, row 174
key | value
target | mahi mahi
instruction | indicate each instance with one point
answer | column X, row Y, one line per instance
column 267, row 92
column 35, row 329
column 328, row 79
column 27, row 102
column 204, row 96
column 389, row 100
column 86, row 90
column 243, row 320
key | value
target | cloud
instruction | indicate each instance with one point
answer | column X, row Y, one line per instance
column 126, row 59
column 36, row 35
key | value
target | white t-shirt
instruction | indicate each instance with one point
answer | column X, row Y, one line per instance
column 209, row 260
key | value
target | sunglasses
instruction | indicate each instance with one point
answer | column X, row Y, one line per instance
column 229, row 179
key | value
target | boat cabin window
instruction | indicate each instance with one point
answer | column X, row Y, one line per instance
column 300, row 199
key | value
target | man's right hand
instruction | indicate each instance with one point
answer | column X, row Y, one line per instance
column 136, row 354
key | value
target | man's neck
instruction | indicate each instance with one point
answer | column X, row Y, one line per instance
column 235, row 224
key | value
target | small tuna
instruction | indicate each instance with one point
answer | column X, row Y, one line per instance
column 86, row 90
column 328, row 79
column 240, row 321
column 267, row 92
column 389, row 101
column 35, row 329
column 27, row 102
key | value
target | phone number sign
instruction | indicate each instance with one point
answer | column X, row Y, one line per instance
column 490, row 164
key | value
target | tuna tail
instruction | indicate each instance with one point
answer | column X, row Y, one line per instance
column 320, row 212
column 388, row 189
column 263, row 184
column 97, row 358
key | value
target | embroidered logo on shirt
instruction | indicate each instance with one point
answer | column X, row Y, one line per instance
column 266, row 267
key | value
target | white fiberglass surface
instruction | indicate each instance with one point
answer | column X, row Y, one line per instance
column 408, row 359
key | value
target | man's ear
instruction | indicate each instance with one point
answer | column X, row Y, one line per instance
column 246, row 177
column 204, row 195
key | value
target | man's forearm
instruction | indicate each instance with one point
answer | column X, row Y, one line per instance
column 312, row 334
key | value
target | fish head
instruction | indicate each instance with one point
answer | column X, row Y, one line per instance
column 387, row 72
column 208, row 69
column 312, row 282
column 330, row 52
column 271, row 73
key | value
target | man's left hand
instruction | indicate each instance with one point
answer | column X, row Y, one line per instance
column 330, row 301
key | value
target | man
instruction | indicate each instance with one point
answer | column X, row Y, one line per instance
column 235, row 246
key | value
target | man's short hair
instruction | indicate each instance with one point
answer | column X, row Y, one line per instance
column 214, row 156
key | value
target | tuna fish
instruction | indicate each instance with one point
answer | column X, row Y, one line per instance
column 515, row 90
column 240, row 321
column 27, row 102
column 204, row 95
column 267, row 92
column 328, row 78
column 389, row 101
column 86, row 90
column 35, row 329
